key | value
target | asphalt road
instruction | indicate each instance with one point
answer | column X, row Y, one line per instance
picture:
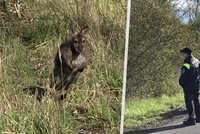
column 173, row 126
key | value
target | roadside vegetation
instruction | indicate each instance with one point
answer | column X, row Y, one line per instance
column 157, row 33
column 30, row 33
column 152, row 111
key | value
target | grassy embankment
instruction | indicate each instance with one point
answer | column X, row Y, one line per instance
column 143, row 113
column 94, row 103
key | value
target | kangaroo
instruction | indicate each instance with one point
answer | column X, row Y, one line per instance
column 70, row 60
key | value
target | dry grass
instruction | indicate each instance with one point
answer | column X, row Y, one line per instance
column 93, row 105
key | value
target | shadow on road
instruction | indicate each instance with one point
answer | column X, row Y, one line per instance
column 174, row 113
column 154, row 130
column 171, row 115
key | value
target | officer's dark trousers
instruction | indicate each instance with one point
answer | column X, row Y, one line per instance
column 192, row 102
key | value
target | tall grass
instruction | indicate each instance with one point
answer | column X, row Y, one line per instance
column 93, row 105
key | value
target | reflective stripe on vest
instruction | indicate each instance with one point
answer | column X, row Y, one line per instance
column 187, row 66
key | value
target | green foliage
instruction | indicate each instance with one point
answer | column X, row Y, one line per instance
column 154, row 61
column 156, row 37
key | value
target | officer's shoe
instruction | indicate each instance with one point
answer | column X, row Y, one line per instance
column 197, row 120
column 189, row 122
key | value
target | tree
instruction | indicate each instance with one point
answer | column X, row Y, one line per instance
column 156, row 36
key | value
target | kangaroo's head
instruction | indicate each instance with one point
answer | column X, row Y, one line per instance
column 79, row 39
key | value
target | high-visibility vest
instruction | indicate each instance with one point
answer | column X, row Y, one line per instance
column 187, row 66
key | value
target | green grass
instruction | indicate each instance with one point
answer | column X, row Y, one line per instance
column 94, row 103
column 91, row 106
column 142, row 113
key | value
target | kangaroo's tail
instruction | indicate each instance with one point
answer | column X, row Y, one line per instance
column 39, row 92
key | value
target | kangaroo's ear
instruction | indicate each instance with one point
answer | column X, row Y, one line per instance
column 85, row 30
column 75, row 32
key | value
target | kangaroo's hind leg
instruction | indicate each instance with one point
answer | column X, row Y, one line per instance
column 67, row 83
column 57, row 77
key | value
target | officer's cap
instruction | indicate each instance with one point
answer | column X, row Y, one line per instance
column 186, row 50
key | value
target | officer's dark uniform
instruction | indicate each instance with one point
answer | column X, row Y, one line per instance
column 190, row 85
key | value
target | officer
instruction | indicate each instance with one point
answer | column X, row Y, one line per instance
column 189, row 81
